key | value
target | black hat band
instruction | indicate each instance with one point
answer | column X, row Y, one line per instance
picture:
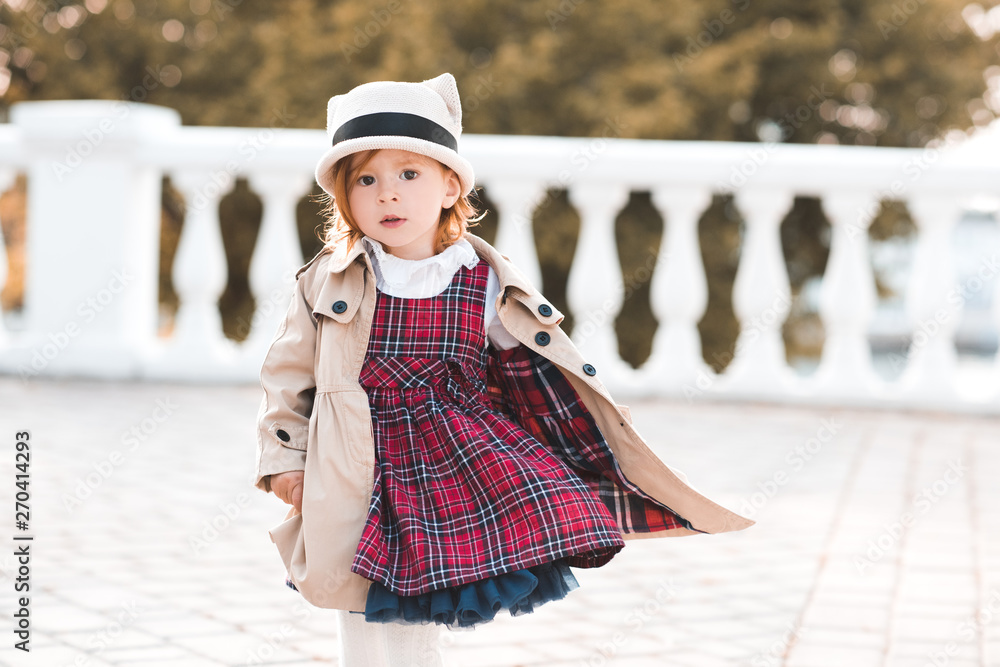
column 395, row 124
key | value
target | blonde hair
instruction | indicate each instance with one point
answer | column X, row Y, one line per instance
column 340, row 225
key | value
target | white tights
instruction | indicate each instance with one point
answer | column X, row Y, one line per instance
column 364, row 644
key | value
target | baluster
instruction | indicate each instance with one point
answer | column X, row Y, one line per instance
column 198, row 348
column 930, row 370
column 276, row 256
column 595, row 291
column 678, row 294
column 517, row 201
column 847, row 299
column 761, row 299
column 6, row 180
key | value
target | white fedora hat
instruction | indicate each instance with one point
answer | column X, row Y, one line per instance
column 424, row 118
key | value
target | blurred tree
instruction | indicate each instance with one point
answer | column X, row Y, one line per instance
column 882, row 72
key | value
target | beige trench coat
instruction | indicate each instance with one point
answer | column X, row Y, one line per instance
column 315, row 418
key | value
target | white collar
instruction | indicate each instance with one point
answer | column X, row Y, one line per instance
column 418, row 278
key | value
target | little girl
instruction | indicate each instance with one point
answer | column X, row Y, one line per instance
column 446, row 450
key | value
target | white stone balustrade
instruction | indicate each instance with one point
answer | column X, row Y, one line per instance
column 676, row 361
column 94, row 170
column 93, row 212
column 276, row 254
column 931, row 364
column 847, row 303
column 515, row 232
column 761, row 297
column 595, row 290
column 198, row 349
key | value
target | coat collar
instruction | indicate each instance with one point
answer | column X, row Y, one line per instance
column 507, row 274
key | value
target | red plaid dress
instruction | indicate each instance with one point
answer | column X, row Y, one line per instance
column 462, row 491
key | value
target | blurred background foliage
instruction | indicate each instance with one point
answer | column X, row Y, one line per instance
column 876, row 73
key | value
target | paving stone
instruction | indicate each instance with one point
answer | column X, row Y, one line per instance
column 854, row 618
column 130, row 656
column 913, row 661
column 238, row 648
column 815, row 655
column 953, row 648
column 155, row 661
column 44, row 653
column 840, row 637
column 186, row 625
column 130, row 637
column 922, row 628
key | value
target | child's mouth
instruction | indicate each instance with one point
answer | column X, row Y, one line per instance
column 392, row 221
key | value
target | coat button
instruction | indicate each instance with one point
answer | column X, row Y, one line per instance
column 545, row 310
column 589, row 370
column 339, row 307
column 542, row 338
column 284, row 437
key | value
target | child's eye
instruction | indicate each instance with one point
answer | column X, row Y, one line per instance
column 409, row 175
column 366, row 180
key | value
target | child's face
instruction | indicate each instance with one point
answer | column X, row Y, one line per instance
column 397, row 199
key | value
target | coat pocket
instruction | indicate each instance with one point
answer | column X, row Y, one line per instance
column 343, row 425
column 286, row 536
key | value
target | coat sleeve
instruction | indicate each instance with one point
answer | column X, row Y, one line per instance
column 289, row 384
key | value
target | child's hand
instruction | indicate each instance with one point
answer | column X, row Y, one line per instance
column 288, row 487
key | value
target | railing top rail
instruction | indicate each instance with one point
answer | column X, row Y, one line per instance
column 806, row 169
column 155, row 137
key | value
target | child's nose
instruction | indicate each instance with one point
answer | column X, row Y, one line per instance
column 387, row 194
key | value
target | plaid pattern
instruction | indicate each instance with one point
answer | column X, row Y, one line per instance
column 530, row 390
column 462, row 493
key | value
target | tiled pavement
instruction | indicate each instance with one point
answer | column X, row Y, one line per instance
column 877, row 543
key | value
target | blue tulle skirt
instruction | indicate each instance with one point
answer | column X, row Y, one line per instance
column 472, row 604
